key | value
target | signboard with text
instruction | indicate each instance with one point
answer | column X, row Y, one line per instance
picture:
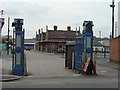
column 89, row 67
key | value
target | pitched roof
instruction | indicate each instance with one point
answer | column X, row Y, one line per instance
column 30, row 41
column 70, row 43
column 96, row 43
column 61, row 34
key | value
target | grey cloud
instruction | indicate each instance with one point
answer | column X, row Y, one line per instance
column 77, row 23
column 25, row 8
column 35, row 9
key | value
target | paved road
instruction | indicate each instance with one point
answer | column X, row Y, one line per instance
column 100, row 81
column 70, row 83
column 47, row 71
column 45, row 64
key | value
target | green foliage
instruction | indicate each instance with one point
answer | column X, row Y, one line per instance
column 6, row 40
column 10, row 72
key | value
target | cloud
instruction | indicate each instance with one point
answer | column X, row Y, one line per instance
column 24, row 8
column 38, row 14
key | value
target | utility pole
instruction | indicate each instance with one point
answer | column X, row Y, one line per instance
column 110, row 36
column 116, row 29
column 113, row 5
column 39, row 39
column 100, row 36
column 8, row 35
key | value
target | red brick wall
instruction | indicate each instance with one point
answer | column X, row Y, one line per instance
column 50, row 47
column 62, row 39
column 119, row 49
column 115, row 50
column 37, row 46
column 53, row 47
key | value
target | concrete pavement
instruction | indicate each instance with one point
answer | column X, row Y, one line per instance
column 40, row 64
column 6, row 61
column 6, row 78
column 47, row 70
column 46, row 64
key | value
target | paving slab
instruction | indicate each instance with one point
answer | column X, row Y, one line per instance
column 46, row 64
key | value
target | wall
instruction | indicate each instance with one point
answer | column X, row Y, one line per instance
column 49, row 47
column 119, row 49
column 37, row 46
column 68, row 57
column 115, row 50
column 29, row 46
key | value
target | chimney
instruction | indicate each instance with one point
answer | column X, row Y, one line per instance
column 79, row 30
column 69, row 28
column 36, row 36
column 41, row 34
column 55, row 28
column 46, row 28
column 46, row 33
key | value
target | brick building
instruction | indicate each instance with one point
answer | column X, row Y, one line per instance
column 115, row 49
column 53, row 40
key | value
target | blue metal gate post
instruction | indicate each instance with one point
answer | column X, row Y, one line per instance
column 78, row 52
column 18, row 60
column 87, row 39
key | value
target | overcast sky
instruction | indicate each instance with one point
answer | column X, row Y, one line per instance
column 39, row 13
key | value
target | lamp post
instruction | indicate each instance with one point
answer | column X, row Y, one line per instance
column 113, row 5
column 100, row 36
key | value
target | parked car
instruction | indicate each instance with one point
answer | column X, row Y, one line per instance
column 27, row 49
column 60, row 50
